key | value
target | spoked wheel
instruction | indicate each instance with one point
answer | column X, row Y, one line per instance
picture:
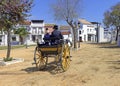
column 65, row 63
column 57, row 58
column 40, row 61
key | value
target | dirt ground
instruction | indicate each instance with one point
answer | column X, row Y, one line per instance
column 91, row 65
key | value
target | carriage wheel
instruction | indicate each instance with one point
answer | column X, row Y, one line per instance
column 57, row 58
column 65, row 58
column 40, row 61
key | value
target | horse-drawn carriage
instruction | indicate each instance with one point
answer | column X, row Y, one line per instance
column 60, row 50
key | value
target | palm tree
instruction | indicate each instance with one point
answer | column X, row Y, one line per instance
column 22, row 33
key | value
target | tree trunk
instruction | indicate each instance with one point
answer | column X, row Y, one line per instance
column 118, row 28
column 75, row 37
column 74, row 30
column 21, row 40
column 8, row 43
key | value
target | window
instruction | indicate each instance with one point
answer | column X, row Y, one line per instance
column 34, row 30
column 90, row 30
column 84, row 37
column 87, row 30
column 40, row 30
column 13, row 38
column 80, row 32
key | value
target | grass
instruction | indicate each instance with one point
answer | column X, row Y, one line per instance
column 7, row 59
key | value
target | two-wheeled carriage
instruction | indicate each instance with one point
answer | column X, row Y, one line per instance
column 61, row 51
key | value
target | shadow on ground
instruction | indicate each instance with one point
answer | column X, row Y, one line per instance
column 114, row 64
column 105, row 45
column 112, row 47
column 51, row 68
column 11, row 73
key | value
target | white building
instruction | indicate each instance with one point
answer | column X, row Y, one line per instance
column 102, row 34
column 66, row 32
column 87, row 31
column 35, row 29
column 3, row 39
column 107, row 35
column 92, row 32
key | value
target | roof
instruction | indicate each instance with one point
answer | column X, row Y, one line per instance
column 49, row 25
column 83, row 21
column 25, row 23
column 65, row 30
column 37, row 21
column 65, row 33
column 64, row 27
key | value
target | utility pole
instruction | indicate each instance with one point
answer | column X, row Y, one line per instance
column 97, row 33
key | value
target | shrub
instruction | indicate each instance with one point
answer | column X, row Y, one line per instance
column 7, row 59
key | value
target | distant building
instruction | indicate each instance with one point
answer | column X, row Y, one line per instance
column 107, row 35
column 3, row 38
column 26, row 24
column 101, row 33
column 66, row 32
column 92, row 32
column 35, row 28
column 86, row 31
column 36, row 31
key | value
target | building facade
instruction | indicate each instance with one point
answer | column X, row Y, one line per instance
column 92, row 32
column 66, row 32
column 3, row 38
column 36, row 31
column 86, row 31
column 35, row 28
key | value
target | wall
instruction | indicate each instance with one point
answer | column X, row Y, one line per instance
column 87, row 30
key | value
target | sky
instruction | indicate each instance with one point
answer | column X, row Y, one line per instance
column 91, row 10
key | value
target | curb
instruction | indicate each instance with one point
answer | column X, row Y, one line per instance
column 15, row 60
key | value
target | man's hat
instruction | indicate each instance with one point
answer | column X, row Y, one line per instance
column 55, row 27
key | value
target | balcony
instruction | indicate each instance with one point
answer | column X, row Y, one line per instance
column 91, row 31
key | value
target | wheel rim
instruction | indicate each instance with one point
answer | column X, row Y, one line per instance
column 40, row 61
column 66, row 58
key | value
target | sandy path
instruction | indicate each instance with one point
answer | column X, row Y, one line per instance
column 92, row 65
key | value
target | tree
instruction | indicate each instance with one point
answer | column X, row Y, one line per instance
column 112, row 18
column 68, row 10
column 22, row 33
column 13, row 12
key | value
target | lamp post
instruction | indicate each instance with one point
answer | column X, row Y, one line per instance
column 78, row 35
